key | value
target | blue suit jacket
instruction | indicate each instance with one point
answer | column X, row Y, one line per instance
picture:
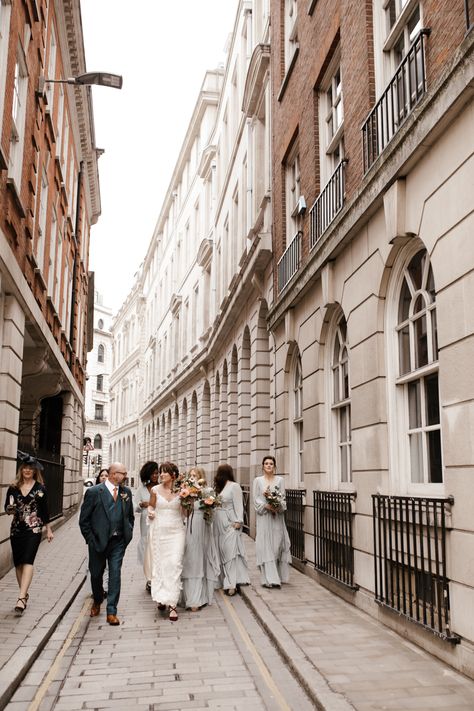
column 94, row 519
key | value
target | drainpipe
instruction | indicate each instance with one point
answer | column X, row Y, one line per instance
column 74, row 266
column 466, row 10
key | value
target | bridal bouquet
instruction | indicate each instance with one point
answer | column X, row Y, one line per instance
column 189, row 490
column 274, row 497
column 208, row 501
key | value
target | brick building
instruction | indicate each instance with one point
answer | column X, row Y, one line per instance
column 49, row 198
column 372, row 195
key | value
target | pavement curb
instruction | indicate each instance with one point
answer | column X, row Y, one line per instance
column 314, row 683
column 19, row 664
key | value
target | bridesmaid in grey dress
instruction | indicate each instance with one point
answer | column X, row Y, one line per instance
column 149, row 477
column 228, row 521
column 200, row 563
column 272, row 543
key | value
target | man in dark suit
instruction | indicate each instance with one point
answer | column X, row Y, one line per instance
column 106, row 522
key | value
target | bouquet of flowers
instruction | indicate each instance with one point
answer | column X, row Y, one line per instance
column 189, row 490
column 208, row 501
column 274, row 498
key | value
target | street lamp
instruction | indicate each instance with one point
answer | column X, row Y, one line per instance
column 98, row 78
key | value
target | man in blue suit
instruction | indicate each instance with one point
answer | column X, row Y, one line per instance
column 106, row 522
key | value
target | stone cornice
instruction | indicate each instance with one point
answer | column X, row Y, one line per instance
column 258, row 68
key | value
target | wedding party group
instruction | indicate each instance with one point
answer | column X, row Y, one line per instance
column 191, row 530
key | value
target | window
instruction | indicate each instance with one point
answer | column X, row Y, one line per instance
column 100, row 324
column 101, row 353
column 20, row 85
column 291, row 32
column 297, row 417
column 341, row 404
column 98, row 441
column 99, row 412
column 51, row 70
column 5, row 10
column 331, row 120
column 417, row 381
column 100, row 383
column 43, row 206
column 52, row 252
column 292, row 193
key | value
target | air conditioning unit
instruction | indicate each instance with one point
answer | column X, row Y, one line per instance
column 300, row 206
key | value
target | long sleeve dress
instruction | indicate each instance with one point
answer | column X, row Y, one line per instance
column 272, row 543
column 31, row 514
column 230, row 546
column 141, row 494
column 200, row 563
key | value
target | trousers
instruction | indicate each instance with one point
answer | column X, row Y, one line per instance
column 112, row 556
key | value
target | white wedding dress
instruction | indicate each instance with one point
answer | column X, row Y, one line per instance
column 166, row 548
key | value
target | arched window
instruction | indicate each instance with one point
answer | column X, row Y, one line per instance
column 98, row 441
column 100, row 323
column 101, row 353
column 417, row 388
column 341, row 404
column 297, row 418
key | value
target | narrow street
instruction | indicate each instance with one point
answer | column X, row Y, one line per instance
column 217, row 658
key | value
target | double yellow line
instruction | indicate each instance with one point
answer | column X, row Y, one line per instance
column 262, row 667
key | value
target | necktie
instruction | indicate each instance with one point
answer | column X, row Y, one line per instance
column 115, row 493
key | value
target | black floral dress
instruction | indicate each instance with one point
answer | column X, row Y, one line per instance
column 31, row 514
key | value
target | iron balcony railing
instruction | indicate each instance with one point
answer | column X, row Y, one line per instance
column 410, row 559
column 246, row 497
column 295, row 521
column 403, row 92
column 328, row 203
column 289, row 262
column 333, row 547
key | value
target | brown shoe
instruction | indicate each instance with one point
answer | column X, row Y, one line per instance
column 95, row 609
column 113, row 620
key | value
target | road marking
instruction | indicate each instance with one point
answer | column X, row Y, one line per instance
column 262, row 667
column 45, row 684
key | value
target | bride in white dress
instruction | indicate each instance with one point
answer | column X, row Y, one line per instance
column 166, row 538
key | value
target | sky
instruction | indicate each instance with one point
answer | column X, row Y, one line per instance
column 163, row 50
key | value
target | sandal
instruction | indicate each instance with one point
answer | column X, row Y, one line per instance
column 18, row 609
column 173, row 614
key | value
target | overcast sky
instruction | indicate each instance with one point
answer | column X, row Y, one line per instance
column 162, row 49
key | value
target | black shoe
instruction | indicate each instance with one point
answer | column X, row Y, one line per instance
column 148, row 586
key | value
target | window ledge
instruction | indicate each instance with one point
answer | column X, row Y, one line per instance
column 288, row 74
column 11, row 185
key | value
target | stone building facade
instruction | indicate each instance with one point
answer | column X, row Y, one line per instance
column 201, row 300
column 49, row 198
column 97, row 400
column 373, row 177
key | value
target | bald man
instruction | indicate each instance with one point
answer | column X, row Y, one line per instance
column 106, row 522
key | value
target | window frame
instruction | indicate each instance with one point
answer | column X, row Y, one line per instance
column 400, row 468
column 331, row 147
column 339, row 407
column 297, row 420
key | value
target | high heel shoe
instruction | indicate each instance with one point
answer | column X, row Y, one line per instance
column 173, row 615
column 20, row 609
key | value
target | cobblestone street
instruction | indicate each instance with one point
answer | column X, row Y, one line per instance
column 219, row 657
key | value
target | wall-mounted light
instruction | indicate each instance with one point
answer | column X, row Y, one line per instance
column 114, row 81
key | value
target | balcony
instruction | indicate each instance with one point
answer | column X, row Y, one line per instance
column 328, row 203
column 410, row 560
column 289, row 262
column 402, row 94
column 333, row 546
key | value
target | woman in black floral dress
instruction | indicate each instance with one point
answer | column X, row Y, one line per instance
column 27, row 502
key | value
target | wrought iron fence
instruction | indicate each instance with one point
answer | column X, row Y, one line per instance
column 246, row 497
column 333, row 547
column 328, row 203
column 53, row 475
column 410, row 559
column 403, row 92
column 295, row 521
column 289, row 262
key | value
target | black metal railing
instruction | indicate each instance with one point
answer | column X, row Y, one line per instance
column 53, row 475
column 403, row 92
column 289, row 262
column 410, row 559
column 246, row 497
column 328, row 203
column 333, row 546
column 295, row 521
